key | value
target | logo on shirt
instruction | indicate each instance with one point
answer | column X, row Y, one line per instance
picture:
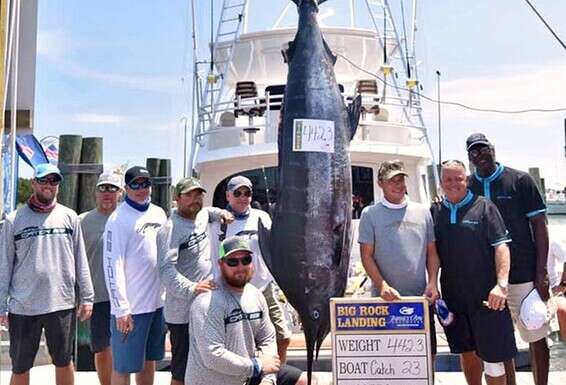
column 30, row 232
column 504, row 197
column 470, row 222
column 149, row 226
column 194, row 239
column 238, row 315
column 109, row 241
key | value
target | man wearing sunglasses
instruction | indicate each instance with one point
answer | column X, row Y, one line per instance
column 42, row 263
column 232, row 340
column 108, row 193
column 183, row 250
column 239, row 193
column 132, row 280
column 521, row 205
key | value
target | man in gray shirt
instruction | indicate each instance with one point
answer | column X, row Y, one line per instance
column 183, row 252
column 42, row 262
column 232, row 340
column 108, row 192
column 397, row 244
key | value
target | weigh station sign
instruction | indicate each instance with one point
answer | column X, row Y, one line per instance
column 380, row 343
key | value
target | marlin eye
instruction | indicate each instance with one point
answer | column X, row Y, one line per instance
column 315, row 314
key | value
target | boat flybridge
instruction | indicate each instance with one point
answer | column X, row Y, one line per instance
column 239, row 87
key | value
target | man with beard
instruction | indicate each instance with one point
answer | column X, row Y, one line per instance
column 232, row 341
column 42, row 263
column 132, row 279
column 183, row 251
column 239, row 193
column 521, row 205
column 472, row 244
column 108, row 193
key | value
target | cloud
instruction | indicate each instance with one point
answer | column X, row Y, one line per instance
column 55, row 47
column 509, row 89
column 94, row 118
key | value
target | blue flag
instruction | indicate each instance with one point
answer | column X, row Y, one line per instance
column 30, row 150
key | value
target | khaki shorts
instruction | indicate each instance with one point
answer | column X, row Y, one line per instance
column 517, row 292
column 282, row 332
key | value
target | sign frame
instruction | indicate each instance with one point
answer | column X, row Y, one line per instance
column 407, row 332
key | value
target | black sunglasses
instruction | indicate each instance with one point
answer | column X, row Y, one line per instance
column 246, row 193
column 139, row 185
column 233, row 262
column 479, row 150
column 50, row 181
column 107, row 188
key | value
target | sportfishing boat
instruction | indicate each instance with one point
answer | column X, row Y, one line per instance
column 239, row 83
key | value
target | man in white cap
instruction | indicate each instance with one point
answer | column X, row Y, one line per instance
column 42, row 263
column 239, row 196
column 108, row 193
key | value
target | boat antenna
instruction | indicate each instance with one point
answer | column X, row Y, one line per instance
column 211, row 36
column 405, row 40
column 385, row 37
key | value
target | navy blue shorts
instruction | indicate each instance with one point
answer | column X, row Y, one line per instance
column 100, row 327
column 25, row 334
column 487, row 332
column 146, row 342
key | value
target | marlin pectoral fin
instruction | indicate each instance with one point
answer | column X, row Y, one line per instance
column 354, row 110
column 298, row 2
column 264, row 235
column 289, row 52
column 329, row 52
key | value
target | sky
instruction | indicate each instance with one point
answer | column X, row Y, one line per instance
column 117, row 69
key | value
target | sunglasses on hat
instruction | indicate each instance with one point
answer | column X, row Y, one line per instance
column 107, row 188
column 233, row 262
column 139, row 185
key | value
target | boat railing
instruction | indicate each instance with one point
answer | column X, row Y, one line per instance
column 251, row 121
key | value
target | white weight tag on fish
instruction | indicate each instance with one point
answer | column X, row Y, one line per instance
column 313, row 135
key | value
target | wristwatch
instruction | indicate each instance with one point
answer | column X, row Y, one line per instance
column 503, row 283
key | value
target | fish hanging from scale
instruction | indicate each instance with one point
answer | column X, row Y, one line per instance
column 308, row 246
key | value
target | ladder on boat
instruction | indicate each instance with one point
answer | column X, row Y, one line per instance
column 229, row 28
column 386, row 30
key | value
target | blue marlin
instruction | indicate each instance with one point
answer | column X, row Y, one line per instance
column 308, row 246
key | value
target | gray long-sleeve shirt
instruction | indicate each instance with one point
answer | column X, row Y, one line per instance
column 183, row 252
column 42, row 260
column 226, row 329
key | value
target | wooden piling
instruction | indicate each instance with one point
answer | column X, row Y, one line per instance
column 165, row 187
column 70, row 147
column 152, row 165
column 91, row 154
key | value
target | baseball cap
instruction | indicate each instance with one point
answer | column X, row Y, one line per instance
column 136, row 172
column 110, row 178
column 188, row 184
column 389, row 169
column 477, row 138
column 44, row 169
column 237, row 182
column 534, row 312
column 232, row 244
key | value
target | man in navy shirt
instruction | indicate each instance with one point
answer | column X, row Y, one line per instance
column 472, row 244
column 516, row 196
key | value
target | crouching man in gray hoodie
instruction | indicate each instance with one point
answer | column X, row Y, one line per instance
column 232, row 340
